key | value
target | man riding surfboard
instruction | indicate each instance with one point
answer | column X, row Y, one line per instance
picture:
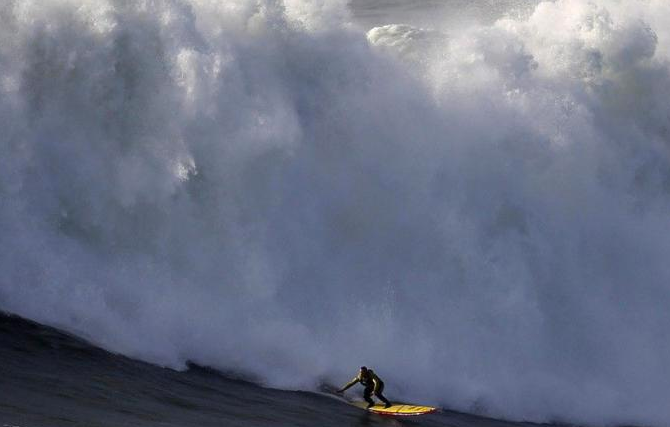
column 373, row 385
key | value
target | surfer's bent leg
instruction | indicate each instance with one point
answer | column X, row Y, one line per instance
column 366, row 395
column 381, row 396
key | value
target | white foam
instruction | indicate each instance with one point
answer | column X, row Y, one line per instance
column 258, row 186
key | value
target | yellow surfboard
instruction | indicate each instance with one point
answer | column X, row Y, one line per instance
column 397, row 409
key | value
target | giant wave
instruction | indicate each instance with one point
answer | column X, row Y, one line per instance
column 260, row 186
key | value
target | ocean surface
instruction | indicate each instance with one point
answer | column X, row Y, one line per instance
column 471, row 197
column 444, row 14
column 53, row 379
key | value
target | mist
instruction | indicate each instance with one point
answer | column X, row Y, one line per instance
column 262, row 187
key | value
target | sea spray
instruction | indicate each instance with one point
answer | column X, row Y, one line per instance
column 258, row 186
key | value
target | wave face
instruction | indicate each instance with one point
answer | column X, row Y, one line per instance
column 259, row 186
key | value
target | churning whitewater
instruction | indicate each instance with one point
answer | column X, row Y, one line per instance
column 266, row 187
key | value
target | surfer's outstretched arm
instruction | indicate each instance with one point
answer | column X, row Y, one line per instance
column 349, row 384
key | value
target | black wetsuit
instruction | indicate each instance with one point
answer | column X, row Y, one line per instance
column 373, row 385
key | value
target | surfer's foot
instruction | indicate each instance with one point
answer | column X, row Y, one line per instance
column 388, row 405
column 370, row 405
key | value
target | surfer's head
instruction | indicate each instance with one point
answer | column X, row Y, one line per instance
column 363, row 369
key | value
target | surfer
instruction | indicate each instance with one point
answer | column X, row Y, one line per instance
column 373, row 385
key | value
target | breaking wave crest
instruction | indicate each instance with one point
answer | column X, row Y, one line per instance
column 259, row 186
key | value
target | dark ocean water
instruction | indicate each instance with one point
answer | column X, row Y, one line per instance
column 51, row 379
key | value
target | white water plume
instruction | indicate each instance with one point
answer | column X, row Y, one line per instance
column 255, row 185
